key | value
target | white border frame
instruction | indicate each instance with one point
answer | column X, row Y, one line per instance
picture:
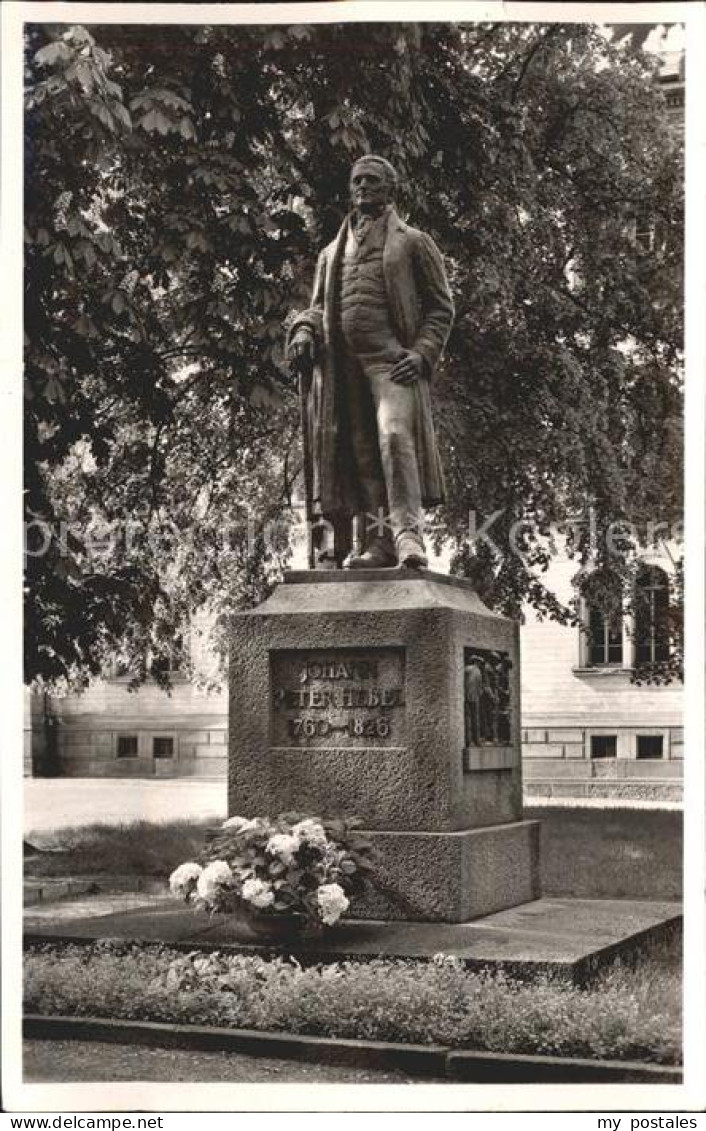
column 690, row 1096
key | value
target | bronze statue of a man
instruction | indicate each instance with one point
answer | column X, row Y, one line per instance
column 365, row 352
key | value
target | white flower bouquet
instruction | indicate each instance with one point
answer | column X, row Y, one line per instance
column 301, row 867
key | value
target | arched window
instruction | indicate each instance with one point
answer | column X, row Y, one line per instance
column 651, row 615
column 605, row 637
column 171, row 661
column 603, row 621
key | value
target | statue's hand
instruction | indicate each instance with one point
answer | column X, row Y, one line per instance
column 408, row 368
column 301, row 353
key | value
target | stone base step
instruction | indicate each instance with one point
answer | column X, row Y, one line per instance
column 570, row 938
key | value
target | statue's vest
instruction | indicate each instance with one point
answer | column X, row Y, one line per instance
column 363, row 302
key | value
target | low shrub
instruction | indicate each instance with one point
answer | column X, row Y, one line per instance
column 626, row 1014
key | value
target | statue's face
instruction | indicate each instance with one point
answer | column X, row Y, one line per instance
column 370, row 188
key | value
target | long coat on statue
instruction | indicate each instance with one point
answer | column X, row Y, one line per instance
column 422, row 311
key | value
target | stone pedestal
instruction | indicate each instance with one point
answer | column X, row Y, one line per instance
column 348, row 696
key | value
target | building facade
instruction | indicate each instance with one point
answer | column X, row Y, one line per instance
column 588, row 729
column 109, row 731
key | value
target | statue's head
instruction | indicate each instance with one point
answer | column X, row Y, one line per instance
column 372, row 184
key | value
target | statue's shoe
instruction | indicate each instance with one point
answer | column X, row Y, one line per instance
column 377, row 557
column 410, row 553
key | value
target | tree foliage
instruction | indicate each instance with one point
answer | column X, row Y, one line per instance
column 179, row 182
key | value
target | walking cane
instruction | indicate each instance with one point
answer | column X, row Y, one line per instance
column 306, row 372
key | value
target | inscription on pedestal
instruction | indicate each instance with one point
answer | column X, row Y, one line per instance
column 338, row 697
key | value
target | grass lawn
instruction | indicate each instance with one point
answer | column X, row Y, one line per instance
column 611, row 853
column 136, row 848
column 586, row 853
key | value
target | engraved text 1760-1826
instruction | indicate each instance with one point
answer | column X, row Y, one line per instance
column 339, row 697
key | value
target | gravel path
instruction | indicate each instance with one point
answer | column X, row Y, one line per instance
column 92, row 1061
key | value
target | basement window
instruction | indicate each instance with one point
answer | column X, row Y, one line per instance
column 163, row 747
column 126, row 746
column 604, row 746
column 650, row 746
